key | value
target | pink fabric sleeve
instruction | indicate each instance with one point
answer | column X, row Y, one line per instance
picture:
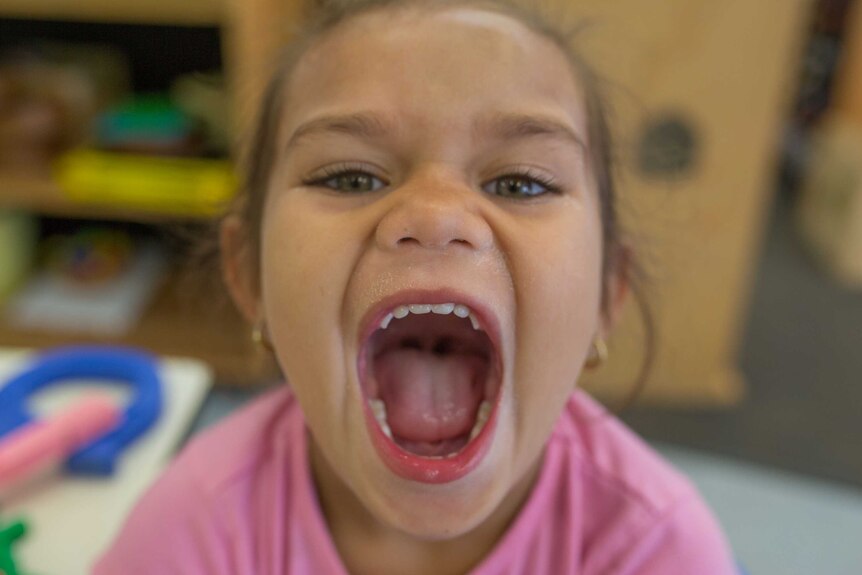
column 171, row 531
column 686, row 540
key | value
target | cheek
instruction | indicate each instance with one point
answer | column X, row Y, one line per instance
column 567, row 290
column 558, row 315
column 304, row 264
column 561, row 281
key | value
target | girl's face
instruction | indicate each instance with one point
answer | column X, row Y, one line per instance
column 429, row 159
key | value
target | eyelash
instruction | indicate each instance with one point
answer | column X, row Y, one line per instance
column 530, row 175
column 332, row 172
column 520, row 172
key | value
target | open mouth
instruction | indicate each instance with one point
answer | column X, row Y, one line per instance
column 430, row 375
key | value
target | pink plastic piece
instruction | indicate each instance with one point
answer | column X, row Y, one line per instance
column 41, row 444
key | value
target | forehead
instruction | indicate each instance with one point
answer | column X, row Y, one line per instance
column 434, row 66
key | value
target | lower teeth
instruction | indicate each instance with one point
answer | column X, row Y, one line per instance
column 481, row 418
column 378, row 408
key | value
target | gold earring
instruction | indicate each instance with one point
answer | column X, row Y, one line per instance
column 258, row 336
column 599, row 354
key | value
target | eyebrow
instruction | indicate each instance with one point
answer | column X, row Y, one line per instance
column 512, row 126
column 360, row 125
column 502, row 126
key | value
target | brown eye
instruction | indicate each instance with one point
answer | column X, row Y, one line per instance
column 349, row 182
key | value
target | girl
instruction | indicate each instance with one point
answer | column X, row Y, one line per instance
column 427, row 243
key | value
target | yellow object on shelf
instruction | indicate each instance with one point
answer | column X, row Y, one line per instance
column 177, row 186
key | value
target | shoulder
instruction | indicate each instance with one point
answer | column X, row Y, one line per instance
column 616, row 459
column 234, row 449
column 198, row 514
column 640, row 515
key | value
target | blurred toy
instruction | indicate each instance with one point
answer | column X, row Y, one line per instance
column 114, row 366
column 90, row 255
column 41, row 445
column 44, row 109
column 149, row 124
column 177, row 186
column 9, row 535
column 204, row 97
column 49, row 95
column 89, row 287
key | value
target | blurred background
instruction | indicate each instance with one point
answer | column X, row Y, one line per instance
column 739, row 138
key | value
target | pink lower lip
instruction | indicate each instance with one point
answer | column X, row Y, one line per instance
column 424, row 469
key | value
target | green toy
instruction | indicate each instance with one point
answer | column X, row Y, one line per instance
column 9, row 534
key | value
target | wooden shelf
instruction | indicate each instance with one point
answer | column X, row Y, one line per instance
column 177, row 323
column 172, row 325
column 178, row 12
column 38, row 193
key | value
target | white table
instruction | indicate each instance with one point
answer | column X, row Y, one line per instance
column 71, row 520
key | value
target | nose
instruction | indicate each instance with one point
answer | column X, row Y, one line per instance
column 436, row 214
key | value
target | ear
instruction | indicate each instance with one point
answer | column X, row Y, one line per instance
column 617, row 290
column 237, row 265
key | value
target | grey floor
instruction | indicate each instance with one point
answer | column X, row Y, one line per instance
column 802, row 357
column 778, row 523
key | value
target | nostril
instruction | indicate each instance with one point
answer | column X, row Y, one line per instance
column 408, row 241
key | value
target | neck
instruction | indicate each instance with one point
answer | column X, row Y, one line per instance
column 362, row 540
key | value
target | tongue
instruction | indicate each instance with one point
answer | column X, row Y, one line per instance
column 429, row 397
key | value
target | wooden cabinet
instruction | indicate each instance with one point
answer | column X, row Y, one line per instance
column 700, row 91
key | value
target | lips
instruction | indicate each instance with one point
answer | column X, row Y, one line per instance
column 430, row 371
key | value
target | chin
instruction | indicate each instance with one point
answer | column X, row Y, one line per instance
column 436, row 514
column 443, row 510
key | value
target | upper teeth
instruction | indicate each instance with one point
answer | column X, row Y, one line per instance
column 403, row 311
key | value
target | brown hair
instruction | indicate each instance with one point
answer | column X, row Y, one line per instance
column 326, row 15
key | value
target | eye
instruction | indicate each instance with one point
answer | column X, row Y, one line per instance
column 522, row 185
column 346, row 179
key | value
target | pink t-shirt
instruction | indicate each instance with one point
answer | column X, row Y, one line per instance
column 239, row 500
